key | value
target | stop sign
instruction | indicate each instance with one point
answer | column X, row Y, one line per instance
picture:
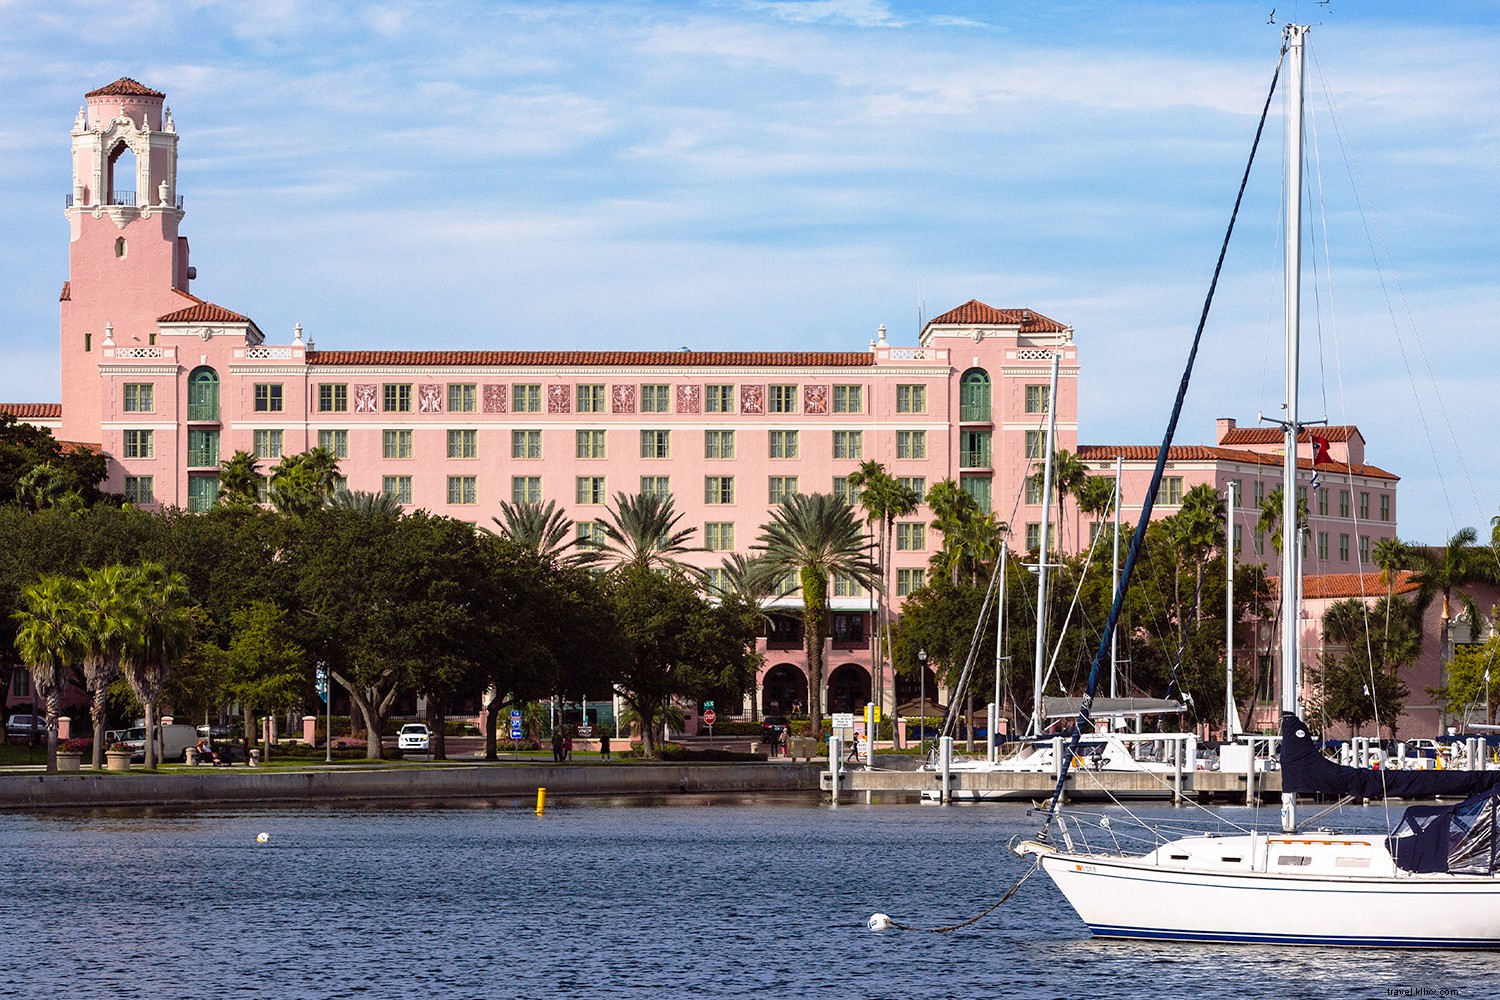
column 709, row 717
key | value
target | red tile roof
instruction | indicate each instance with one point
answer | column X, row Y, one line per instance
column 67, row 292
column 125, row 87
column 976, row 313
column 33, row 411
column 201, row 312
column 675, row 359
column 1207, row 453
column 1273, row 435
column 1337, row 586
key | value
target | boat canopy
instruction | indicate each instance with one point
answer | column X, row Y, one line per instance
column 1067, row 708
column 1304, row 770
column 1457, row 839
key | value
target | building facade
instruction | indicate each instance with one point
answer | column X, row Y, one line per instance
column 169, row 385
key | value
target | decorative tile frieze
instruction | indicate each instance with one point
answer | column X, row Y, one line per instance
column 559, row 399
column 366, row 398
column 689, row 398
column 815, row 399
column 429, row 398
column 752, row 399
column 494, row 398
column 622, row 398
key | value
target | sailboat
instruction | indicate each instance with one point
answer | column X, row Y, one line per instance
column 1433, row 882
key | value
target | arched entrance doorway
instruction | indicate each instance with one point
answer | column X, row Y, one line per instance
column 784, row 690
column 848, row 688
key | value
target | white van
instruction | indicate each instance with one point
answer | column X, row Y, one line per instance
column 173, row 741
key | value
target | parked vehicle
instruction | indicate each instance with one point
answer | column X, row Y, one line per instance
column 414, row 736
column 21, row 728
column 172, row 743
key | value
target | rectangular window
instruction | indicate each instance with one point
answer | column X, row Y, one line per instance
column 526, row 399
column 911, row 536
column 1034, row 490
column 396, row 486
column 1322, row 545
column 656, row 444
column 140, row 444
column 268, row 444
column 974, row 449
column 588, row 535
column 396, row 397
column 1260, row 492
column 590, row 444
column 268, row 398
column 917, row 484
column 336, row 443
column 1037, row 398
column 656, row 399
column 911, row 444
column 849, row 445
column 845, row 586
column 782, row 487
column 203, row 448
column 1343, row 548
column 589, row 489
column 909, row 580
column 1034, row 441
column 718, row 489
column 20, row 682
column 718, row 444
column 911, row 399
column 781, row 399
column 1169, row 493
column 1033, row 537
column 1364, row 548
column 203, row 491
column 718, row 536
column 1343, row 503
column 395, row 444
column 140, row 397
column 718, row 399
column 1260, row 543
column 463, row 444
column 590, row 398
column 1385, row 507
column 463, row 397
column 848, row 399
column 1322, row 503
column 656, row 486
column 333, row 398
column 1364, row 506
column 783, row 444
column 716, row 580
column 463, row 490
column 525, row 444
column 842, row 491
column 138, row 490
column 525, row 489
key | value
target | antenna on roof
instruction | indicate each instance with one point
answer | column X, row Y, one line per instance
column 685, row 349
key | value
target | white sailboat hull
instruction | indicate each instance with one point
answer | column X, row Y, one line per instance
column 1125, row 897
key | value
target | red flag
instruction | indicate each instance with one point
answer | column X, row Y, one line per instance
column 1320, row 451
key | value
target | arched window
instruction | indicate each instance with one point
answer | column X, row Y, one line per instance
column 974, row 395
column 203, row 394
column 122, row 176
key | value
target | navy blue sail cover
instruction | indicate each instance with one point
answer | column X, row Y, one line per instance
column 1306, row 771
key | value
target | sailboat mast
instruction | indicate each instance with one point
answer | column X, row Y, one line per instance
column 1114, row 637
column 1231, row 713
column 1291, row 542
column 1041, row 570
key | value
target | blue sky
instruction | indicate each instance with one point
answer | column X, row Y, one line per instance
column 790, row 174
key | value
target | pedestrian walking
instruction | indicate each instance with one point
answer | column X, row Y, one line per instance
column 557, row 745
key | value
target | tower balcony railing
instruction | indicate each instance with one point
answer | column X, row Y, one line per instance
column 118, row 198
column 974, row 458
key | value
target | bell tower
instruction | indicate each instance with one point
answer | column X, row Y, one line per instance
column 126, row 263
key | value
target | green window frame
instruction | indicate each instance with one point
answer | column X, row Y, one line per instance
column 781, row 487
column 911, row 399
column 1038, row 398
column 781, row 399
column 589, row 490
column 268, row 397
column 140, row 443
column 848, row 399
column 911, row 536
column 203, row 448
column 911, row 444
column 395, row 397
column 139, row 397
column 974, row 396
column 718, row 444
column 268, row 443
column 718, row 490
column 463, row 491
column 656, row 398
column 656, row 486
column 203, row 492
column 849, row 445
column 718, row 399
column 139, row 491
column 203, row 394
column 718, row 536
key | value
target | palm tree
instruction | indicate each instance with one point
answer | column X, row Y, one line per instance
column 1195, row 531
column 1392, row 556
column 368, row 504
column 106, row 616
column 542, row 530
column 239, row 480
column 750, row 583
column 641, row 532
column 165, row 621
column 1448, row 569
column 50, row 642
column 300, row 484
column 971, row 538
column 884, row 499
column 1270, row 516
column 1068, row 476
column 816, row 536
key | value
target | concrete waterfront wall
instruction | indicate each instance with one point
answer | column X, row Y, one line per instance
column 409, row 784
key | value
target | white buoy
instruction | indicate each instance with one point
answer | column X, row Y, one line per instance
column 879, row 922
column 262, row 838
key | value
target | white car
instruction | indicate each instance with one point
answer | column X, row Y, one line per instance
column 414, row 736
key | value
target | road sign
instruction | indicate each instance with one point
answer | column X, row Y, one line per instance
column 709, row 717
column 708, row 704
column 843, row 720
column 515, row 723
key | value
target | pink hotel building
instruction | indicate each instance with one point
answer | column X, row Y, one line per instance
column 168, row 385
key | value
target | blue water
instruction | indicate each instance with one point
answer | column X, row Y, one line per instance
column 688, row 896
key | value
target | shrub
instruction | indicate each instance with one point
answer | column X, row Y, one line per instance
column 78, row 744
column 676, row 752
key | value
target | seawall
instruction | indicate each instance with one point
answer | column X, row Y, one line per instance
column 407, row 784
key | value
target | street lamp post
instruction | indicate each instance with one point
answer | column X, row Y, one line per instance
column 922, row 698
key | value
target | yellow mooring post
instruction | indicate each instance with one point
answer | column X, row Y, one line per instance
column 541, row 801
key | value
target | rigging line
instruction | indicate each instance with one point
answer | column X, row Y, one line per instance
column 1063, row 629
column 1156, row 473
column 1378, row 236
column 980, row 915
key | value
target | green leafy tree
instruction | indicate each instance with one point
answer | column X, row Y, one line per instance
column 1358, row 676
column 301, row 484
column 815, row 536
column 883, row 498
column 106, row 616
column 972, row 539
column 37, row 472
column 240, row 480
column 51, row 643
column 166, row 619
column 264, row 668
column 1270, row 516
column 1068, row 476
column 1474, row 678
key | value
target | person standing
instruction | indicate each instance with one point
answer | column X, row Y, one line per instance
column 603, row 744
column 557, row 745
